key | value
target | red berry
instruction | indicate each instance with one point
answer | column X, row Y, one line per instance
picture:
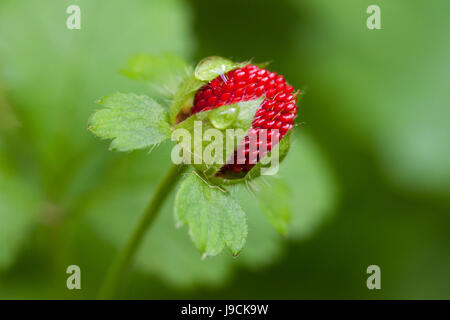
column 277, row 111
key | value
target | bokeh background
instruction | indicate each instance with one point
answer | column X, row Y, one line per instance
column 369, row 169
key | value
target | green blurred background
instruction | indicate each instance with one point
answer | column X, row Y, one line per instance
column 369, row 169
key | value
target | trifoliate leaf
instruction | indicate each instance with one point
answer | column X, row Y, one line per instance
column 164, row 70
column 212, row 67
column 132, row 121
column 124, row 187
column 214, row 219
column 167, row 253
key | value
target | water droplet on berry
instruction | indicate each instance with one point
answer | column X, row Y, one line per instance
column 222, row 118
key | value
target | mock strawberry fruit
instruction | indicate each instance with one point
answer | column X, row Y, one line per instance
column 276, row 113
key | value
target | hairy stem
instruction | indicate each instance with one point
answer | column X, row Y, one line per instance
column 125, row 257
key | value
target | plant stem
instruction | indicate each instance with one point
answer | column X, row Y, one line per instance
column 125, row 257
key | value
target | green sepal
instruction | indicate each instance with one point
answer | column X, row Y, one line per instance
column 205, row 71
column 183, row 99
column 212, row 67
column 241, row 114
column 283, row 148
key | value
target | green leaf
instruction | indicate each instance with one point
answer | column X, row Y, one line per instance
column 264, row 244
column 235, row 116
column 212, row 67
column 312, row 184
column 164, row 70
column 167, row 253
column 132, row 121
column 214, row 219
column 125, row 186
column 274, row 197
column 302, row 194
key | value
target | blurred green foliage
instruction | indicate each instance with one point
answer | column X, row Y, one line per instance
column 368, row 171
